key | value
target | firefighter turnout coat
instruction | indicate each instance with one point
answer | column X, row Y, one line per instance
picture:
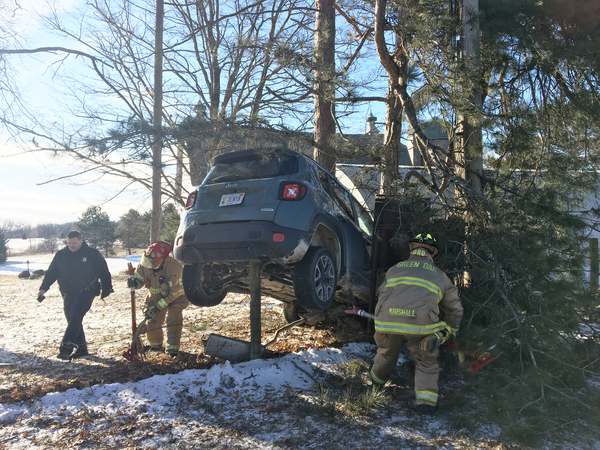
column 168, row 297
column 412, row 297
column 416, row 299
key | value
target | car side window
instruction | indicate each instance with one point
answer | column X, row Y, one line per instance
column 324, row 180
column 342, row 198
column 365, row 222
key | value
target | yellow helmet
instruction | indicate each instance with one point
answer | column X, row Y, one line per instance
column 426, row 241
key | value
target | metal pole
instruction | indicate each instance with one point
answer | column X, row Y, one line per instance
column 255, row 325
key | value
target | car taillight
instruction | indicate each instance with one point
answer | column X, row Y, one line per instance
column 278, row 237
column 292, row 191
column 191, row 200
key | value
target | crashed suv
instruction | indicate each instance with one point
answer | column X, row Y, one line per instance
column 278, row 207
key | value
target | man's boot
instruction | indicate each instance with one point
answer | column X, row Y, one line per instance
column 80, row 352
column 64, row 352
column 427, row 410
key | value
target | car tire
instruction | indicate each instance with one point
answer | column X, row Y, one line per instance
column 315, row 279
column 196, row 292
column 290, row 312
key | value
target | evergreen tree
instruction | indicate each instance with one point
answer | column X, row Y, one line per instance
column 170, row 223
column 518, row 249
column 97, row 229
column 3, row 249
column 133, row 231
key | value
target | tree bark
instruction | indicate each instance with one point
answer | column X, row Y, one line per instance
column 471, row 155
column 324, row 122
column 157, row 123
column 396, row 67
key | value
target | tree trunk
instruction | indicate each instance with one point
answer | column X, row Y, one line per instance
column 469, row 128
column 396, row 68
column 157, row 122
column 324, row 122
column 391, row 142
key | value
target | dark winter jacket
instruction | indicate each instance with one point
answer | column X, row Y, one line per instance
column 76, row 271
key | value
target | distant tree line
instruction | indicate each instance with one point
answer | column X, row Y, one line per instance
column 132, row 230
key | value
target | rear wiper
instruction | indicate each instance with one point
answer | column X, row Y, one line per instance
column 224, row 178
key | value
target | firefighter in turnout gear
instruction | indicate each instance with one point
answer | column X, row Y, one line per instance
column 413, row 296
column 161, row 274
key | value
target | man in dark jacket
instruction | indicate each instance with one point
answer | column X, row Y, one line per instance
column 77, row 268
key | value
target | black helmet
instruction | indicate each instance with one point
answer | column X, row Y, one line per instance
column 424, row 240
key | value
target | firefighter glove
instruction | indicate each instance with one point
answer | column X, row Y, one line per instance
column 40, row 296
column 431, row 342
column 150, row 312
column 131, row 283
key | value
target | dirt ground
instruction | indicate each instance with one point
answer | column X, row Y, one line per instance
column 30, row 335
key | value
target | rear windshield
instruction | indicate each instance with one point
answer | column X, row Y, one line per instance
column 252, row 166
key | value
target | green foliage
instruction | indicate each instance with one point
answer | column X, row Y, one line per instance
column 170, row 223
column 134, row 231
column 3, row 250
column 97, row 229
column 351, row 384
column 364, row 402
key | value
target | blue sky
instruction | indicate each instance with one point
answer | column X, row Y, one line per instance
column 26, row 196
column 26, row 199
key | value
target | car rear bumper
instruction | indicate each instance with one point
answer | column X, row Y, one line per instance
column 235, row 241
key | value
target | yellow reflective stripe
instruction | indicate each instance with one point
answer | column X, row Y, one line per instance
column 420, row 252
column 406, row 328
column 427, row 395
column 139, row 277
column 154, row 290
column 376, row 379
column 170, row 284
column 162, row 304
column 413, row 281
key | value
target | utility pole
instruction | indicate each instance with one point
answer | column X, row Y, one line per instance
column 157, row 125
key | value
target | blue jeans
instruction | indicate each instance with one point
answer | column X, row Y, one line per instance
column 75, row 307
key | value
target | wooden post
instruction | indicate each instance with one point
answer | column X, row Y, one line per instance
column 255, row 294
column 594, row 266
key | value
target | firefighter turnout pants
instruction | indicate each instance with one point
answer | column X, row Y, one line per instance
column 174, row 315
column 427, row 370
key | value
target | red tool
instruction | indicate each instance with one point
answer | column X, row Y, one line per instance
column 481, row 359
column 132, row 354
column 360, row 312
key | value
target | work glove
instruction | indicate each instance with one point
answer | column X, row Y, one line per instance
column 151, row 311
column 432, row 342
column 40, row 296
column 106, row 293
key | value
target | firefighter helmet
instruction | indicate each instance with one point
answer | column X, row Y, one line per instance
column 155, row 254
column 426, row 241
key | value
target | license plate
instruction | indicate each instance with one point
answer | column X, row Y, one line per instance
column 231, row 199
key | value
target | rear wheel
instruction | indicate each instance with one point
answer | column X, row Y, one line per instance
column 198, row 293
column 292, row 312
column 315, row 279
